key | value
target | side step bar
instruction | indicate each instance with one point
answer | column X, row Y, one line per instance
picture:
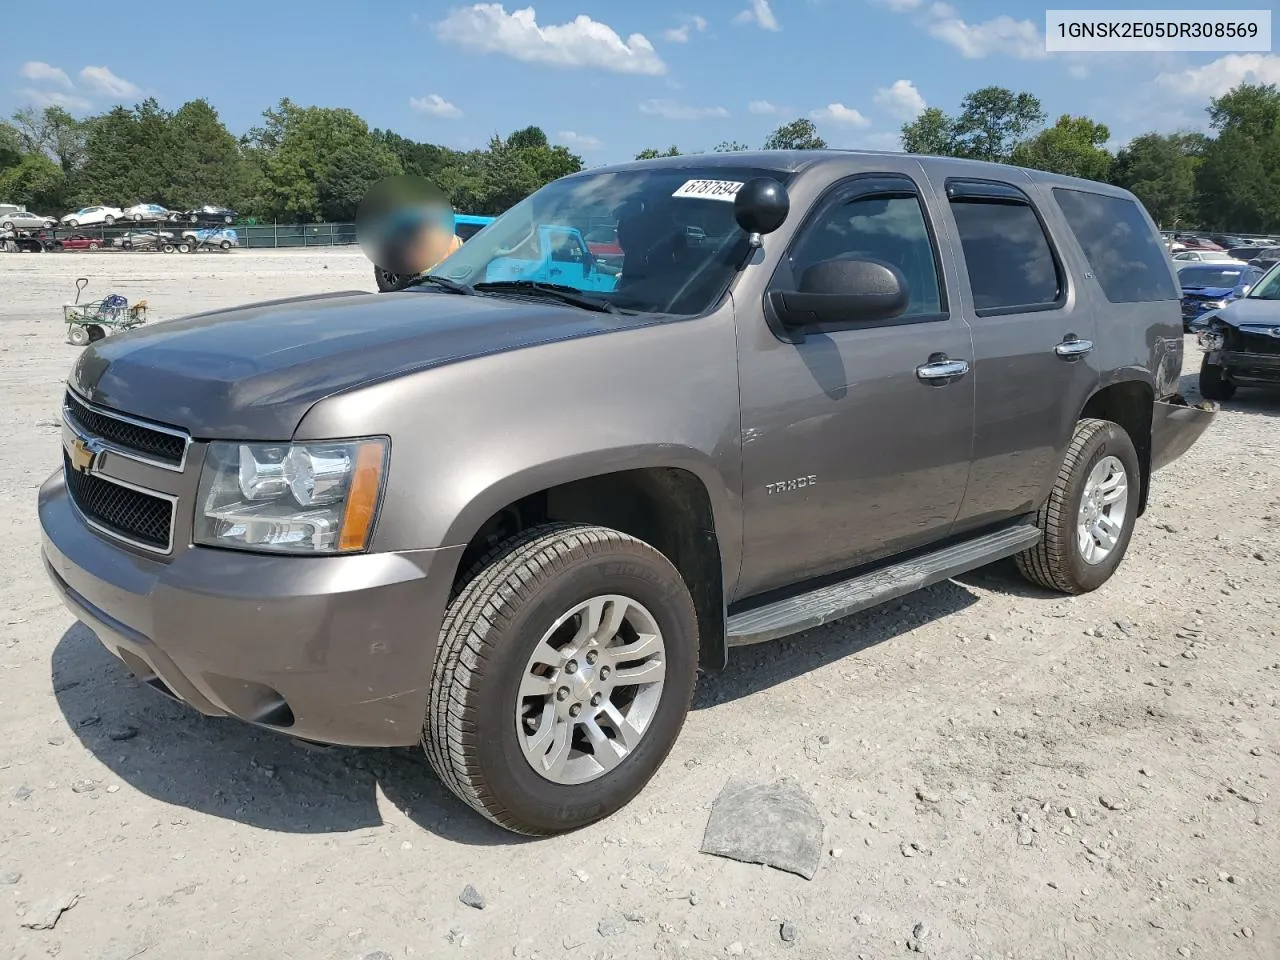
column 807, row 610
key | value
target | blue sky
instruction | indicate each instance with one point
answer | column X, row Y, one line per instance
column 605, row 78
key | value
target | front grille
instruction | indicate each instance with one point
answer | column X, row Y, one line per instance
column 1262, row 343
column 123, row 511
column 128, row 435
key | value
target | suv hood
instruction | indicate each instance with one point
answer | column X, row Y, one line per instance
column 1250, row 310
column 251, row 373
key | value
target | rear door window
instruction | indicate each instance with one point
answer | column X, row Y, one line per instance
column 1122, row 251
column 1010, row 263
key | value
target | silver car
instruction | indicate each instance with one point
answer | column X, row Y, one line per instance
column 26, row 220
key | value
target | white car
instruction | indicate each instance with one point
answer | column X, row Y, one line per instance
column 91, row 215
column 146, row 211
column 26, row 220
column 1207, row 256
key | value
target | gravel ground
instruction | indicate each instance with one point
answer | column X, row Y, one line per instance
column 958, row 746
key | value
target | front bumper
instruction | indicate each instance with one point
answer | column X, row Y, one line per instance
column 1175, row 427
column 1245, row 366
column 332, row 649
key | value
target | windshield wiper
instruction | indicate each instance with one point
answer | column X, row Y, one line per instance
column 444, row 283
column 555, row 291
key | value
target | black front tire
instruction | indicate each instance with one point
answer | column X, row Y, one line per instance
column 489, row 633
column 1213, row 382
column 388, row 282
column 1056, row 562
column 78, row 335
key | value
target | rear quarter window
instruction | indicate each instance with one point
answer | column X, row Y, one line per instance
column 1129, row 262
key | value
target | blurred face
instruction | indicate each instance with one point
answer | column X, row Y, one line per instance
column 427, row 246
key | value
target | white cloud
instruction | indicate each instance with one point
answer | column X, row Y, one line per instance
column 1217, row 77
column 763, row 108
column 839, row 113
column 671, row 110
column 55, row 98
column 1003, row 34
column 103, row 81
column 681, row 33
column 1078, row 70
column 901, row 99
column 583, row 42
column 579, row 141
column 1020, row 39
column 761, row 14
column 436, row 106
column 41, row 72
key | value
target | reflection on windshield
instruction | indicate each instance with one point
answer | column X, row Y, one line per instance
column 1268, row 288
column 662, row 240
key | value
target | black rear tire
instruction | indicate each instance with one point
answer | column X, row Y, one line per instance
column 489, row 633
column 1213, row 383
column 388, row 282
column 78, row 335
column 1056, row 562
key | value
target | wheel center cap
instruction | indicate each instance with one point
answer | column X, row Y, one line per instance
column 582, row 682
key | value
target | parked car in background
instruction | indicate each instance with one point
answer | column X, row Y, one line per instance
column 89, row 216
column 1242, row 342
column 77, row 242
column 223, row 238
column 141, row 212
column 1190, row 242
column 1265, row 258
column 22, row 241
column 145, row 239
column 1206, row 256
column 26, row 220
column 1211, row 286
column 1227, row 241
column 206, row 214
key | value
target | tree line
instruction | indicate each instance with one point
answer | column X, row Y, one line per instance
column 1227, row 180
column 306, row 164
column 301, row 164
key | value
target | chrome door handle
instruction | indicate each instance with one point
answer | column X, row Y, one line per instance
column 942, row 370
column 1071, row 347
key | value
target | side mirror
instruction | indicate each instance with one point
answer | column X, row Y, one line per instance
column 761, row 206
column 843, row 290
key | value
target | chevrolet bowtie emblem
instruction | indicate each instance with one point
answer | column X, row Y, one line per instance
column 83, row 454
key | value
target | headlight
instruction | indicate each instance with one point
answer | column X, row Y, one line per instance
column 1214, row 304
column 317, row 498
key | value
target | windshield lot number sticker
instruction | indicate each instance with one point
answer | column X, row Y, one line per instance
column 709, row 189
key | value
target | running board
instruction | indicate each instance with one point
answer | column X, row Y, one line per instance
column 812, row 609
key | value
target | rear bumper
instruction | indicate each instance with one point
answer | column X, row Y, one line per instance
column 333, row 649
column 1175, row 427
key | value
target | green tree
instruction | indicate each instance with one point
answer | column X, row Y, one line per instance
column 930, row 133
column 205, row 164
column 730, row 146
column 11, row 149
column 127, row 156
column 297, row 152
column 506, row 178
column 1073, row 146
column 36, row 182
column 1239, row 178
column 652, row 153
column 1160, row 170
column 799, row 134
column 54, row 132
column 529, row 138
column 992, row 121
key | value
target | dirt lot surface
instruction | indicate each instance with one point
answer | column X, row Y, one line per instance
column 959, row 746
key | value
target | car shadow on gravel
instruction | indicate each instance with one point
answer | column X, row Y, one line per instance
column 1258, row 401
column 758, row 667
column 229, row 769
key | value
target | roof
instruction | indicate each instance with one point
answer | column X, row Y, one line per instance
column 794, row 161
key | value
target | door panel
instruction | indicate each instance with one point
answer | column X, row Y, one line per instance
column 848, row 455
column 1033, row 367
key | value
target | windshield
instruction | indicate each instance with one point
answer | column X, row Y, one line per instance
column 1206, row 276
column 1268, row 288
column 681, row 245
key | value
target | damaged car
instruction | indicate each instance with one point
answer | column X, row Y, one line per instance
column 1241, row 341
